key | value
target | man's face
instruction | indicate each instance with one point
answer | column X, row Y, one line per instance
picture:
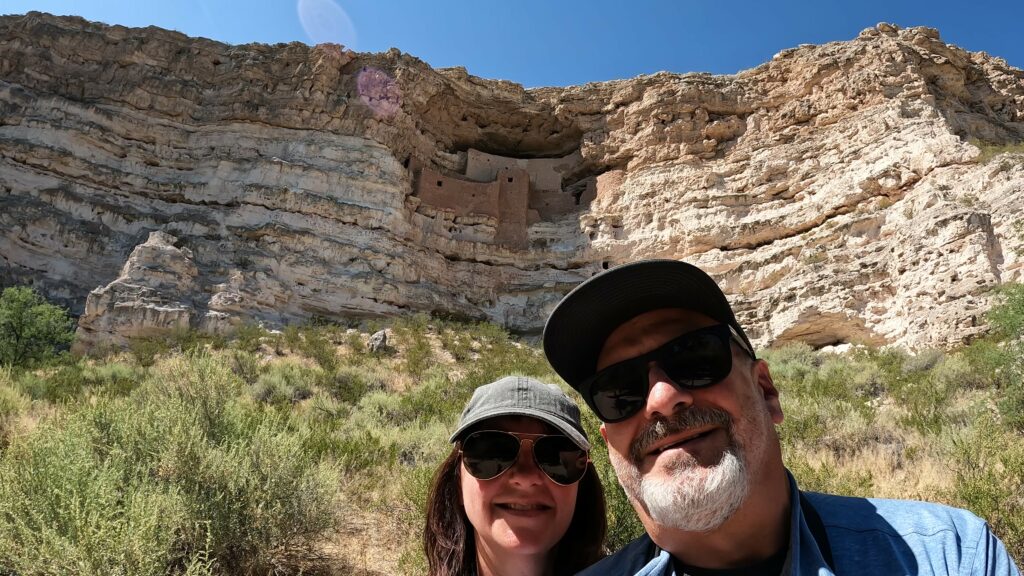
column 688, row 456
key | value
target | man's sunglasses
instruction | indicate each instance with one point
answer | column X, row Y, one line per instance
column 487, row 454
column 694, row 360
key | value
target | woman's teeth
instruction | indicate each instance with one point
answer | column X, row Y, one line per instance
column 522, row 507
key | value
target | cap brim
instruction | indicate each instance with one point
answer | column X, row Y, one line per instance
column 561, row 425
column 578, row 327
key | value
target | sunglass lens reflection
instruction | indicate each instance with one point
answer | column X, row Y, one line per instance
column 619, row 391
column 487, row 455
column 560, row 459
column 698, row 361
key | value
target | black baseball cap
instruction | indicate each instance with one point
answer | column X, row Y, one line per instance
column 578, row 327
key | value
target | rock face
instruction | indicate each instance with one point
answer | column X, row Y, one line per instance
column 153, row 294
column 840, row 193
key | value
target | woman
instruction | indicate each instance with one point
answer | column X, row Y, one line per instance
column 518, row 493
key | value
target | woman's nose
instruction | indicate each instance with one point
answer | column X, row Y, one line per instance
column 525, row 470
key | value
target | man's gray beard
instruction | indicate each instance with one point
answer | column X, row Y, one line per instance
column 691, row 497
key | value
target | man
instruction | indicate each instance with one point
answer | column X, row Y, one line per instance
column 689, row 417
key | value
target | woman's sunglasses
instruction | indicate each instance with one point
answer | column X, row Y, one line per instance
column 694, row 360
column 487, row 454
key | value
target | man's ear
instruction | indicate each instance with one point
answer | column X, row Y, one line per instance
column 604, row 433
column 768, row 390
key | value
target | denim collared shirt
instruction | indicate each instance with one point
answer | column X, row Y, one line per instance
column 864, row 535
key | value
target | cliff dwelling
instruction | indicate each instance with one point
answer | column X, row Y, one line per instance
column 511, row 193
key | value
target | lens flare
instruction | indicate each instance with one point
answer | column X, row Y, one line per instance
column 325, row 21
column 379, row 91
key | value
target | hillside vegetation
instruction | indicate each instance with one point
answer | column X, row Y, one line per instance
column 300, row 451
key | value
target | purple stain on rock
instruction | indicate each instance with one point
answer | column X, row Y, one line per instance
column 379, row 91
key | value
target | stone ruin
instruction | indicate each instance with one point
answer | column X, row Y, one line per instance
column 511, row 193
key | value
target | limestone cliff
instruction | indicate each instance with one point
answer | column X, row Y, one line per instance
column 836, row 191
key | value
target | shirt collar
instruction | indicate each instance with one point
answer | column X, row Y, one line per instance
column 805, row 556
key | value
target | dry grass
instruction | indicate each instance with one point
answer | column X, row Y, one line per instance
column 989, row 151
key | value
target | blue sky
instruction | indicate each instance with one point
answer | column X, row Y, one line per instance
column 558, row 43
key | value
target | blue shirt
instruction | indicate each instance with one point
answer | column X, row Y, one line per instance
column 867, row 536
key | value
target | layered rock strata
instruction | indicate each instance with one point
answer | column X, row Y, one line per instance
column 840, row 193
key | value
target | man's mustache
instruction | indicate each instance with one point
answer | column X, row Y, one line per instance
column 681, row 421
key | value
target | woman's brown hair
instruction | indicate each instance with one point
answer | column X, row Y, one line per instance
column 448, row 537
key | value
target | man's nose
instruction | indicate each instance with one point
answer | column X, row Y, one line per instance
column 664, row 396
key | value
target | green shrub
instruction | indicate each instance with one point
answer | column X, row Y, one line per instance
column 247, row 366
column 501, row 355
column 12, row 405
column 923, row 361
column 362, row 451
column 411, row 333
column 806, row 420
column 147, row 350
column 989, row 361
column 248, row 337
column 189, row 340
column 316, row 346
column 31, row 330
column 356, row 346
column 266, row 498
column 348, row 384
column 58, row 384
column 70, row 380
column 988, row 463
column 271, row 393
column 460, row 342
column 956, row 372
column 926, row 401
column 112, row 378
column 63, row 510
column 292, row 337
column 12, row 401
column 416, row 492
column 1007, row 317
column 799, row 370
column 285, row 382
column 436, row 397
column 1011, row 406
column 181, row 476
column 792, row 363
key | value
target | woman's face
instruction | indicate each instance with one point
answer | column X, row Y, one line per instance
column 521, row 511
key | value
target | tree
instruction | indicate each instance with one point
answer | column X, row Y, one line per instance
column 31, row 329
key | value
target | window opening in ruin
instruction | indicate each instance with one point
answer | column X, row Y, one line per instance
column 439, row 182
column 604, row 265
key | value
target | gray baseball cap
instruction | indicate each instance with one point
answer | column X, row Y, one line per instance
column 522, row 396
